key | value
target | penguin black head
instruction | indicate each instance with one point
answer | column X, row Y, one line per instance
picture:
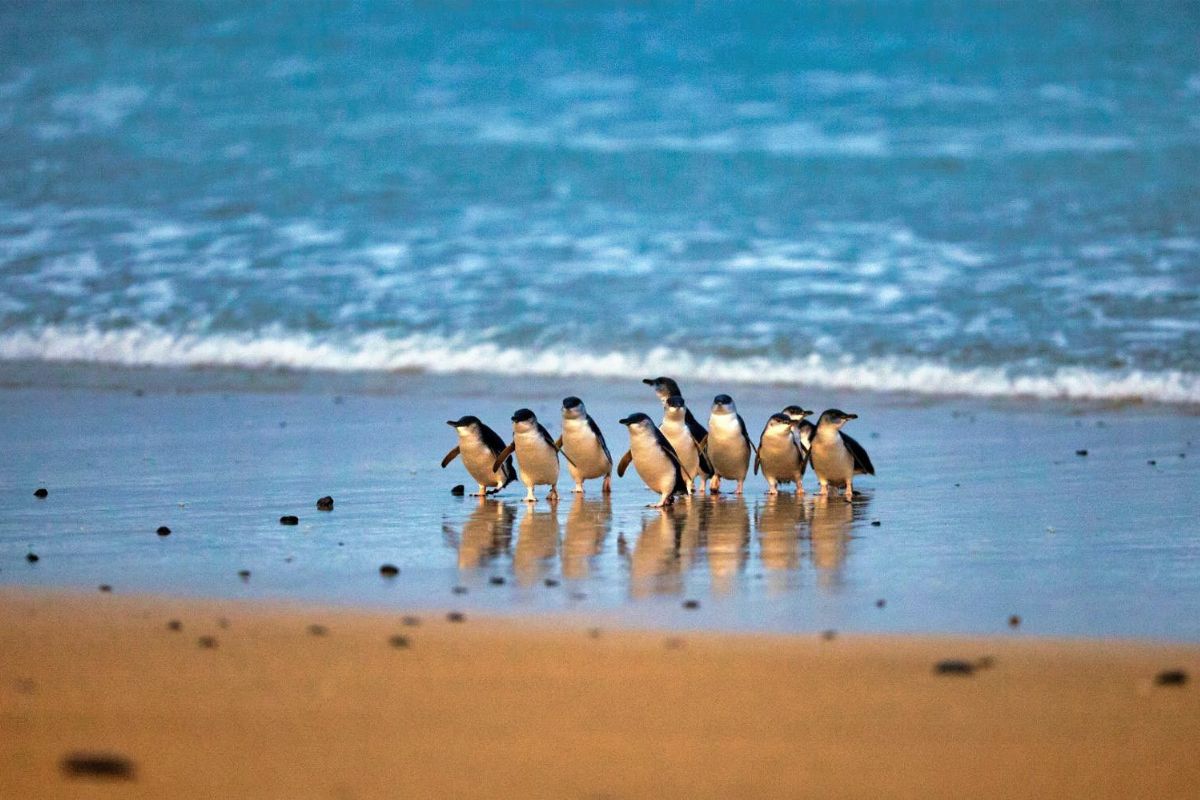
column 835, row 416
column 675, row 401
column 797, row 412
column 523, row 415
column 463, row 422
column 636, row 419
column 781, row 419
column 722, row 402
column 573, row 408
column 572, row 402
column 664, row 387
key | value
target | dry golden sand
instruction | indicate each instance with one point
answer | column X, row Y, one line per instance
column 511, row 709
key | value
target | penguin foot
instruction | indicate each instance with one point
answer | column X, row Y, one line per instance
column 738, row 490
column 578, row 489
column 607, row 486
column 553, row 496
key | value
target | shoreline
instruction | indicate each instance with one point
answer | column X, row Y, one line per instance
column 275, row 706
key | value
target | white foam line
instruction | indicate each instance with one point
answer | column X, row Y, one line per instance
column 151, row 347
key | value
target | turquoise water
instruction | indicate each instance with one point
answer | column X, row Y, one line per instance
column 937, row 198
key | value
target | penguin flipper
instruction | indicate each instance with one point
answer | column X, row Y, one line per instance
column 862, row 461
column 504, row 454
column 746, row 434
column 756, row 461
column 706, row 467
column 453, row 454
column 624, row 465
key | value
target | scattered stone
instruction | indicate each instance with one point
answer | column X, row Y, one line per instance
column 880, row 603
column 1014, row 621
column 289, row 519
column 456, row 616
column 389, row 570
column 829, row 635
column 104, row 587
column 32, row 558
column 1152, row 462
column 244, row 574
column 954, row 666
column 1081, row 452
column 550, row 583
column 458, row 490
column 163, row 530
column 411, row 621
column 41, row 493
column 207, row 642
column 174, row 625
column 1171, row 677
column 399, row 642
column 325, row 503
column 107, row 766
column 691, row 605
column 875, row 523
column 497, row 580
column 318, row 630
column 459, row 590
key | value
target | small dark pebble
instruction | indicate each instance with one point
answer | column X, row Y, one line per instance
column 318, row 630
column 550, row 583
column 399, row 642
column 244, row 574
column 1081, row 452
column 207, row 642
column 1171, row 677
column 880, row 603
column 32, row 558
column 1014, row 621
column 954, row 666
column 98, row 765
column 459, row 590
column 691, row 605
column 289, row 519
column 41, row 494
column 163, row 530
column 411, row 621
column 341, row 544
column 875, row 523
column 104, row 587
column 1152, row 462
column 497, row 580
column 458, row 490
column 174, row 625
column 456, row 616
column 325, row 504
column 389, row 570
column 829, row 635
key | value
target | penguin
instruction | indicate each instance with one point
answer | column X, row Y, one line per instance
column 479, row 447
column 666, row 388
column 654, row 458
column 836, row 458
column 779, row 454
column 804, row 429
column 537, row 455
column 728, row 445
column 584, row 446
column 683, row 437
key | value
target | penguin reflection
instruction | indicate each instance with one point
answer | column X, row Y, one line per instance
column 486, row 533
column 537, row 544
column 728, row 533
column 830, row 523
column 588, row 523
column 778, row 520
column 656, row 565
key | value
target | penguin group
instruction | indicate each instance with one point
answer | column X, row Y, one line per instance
column 677, row 457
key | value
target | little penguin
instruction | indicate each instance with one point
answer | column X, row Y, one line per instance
column 836, row 458
column 537, row 455
column 479, row 446
column 803, row 429
column 583, row 445
column 686, row 440
column 779, row 454
column 666, row 388
column 728, row 444
column 654, row 459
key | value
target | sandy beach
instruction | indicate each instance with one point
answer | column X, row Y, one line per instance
column 275, row 707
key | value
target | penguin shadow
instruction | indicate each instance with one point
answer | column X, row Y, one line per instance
column 830, row 522
column 726, row 532
column 537, row 543
column 778, row 520
column 657, row 562
column 587, row 526
column 486, row 534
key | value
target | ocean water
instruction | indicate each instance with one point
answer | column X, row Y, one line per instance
column 937, row 198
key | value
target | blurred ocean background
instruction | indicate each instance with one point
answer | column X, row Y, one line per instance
column 991, row 199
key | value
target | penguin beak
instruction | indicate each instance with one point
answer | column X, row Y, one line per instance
column 804, row 414
column 626, row 421
column 453, row 423
column 648, row 381
column 852, row 416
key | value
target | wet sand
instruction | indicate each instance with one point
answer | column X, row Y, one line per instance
column 272, row 706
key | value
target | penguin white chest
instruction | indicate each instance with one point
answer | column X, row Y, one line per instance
column 779, row 456
column 681, row 439
column 831, row 459
column 653, row 465
column 727, row 447
column 478, row 458
column 537, row 459
column 580, row 444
